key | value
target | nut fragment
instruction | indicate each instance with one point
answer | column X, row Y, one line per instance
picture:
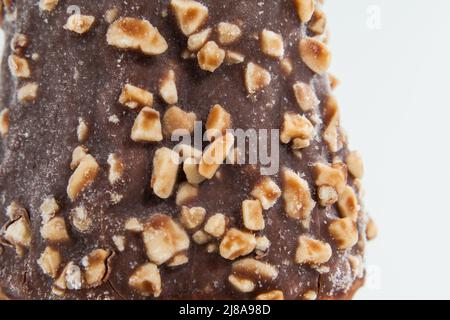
column 296, row 195
column 147, row 126
column 215, row 155
column 168, row 88
column 48, row 5
column 318, row 22
column 165, row 171
column 355, row 164
column 186, row 193
column 332, row 120
column 272, row 295
column 18, row 233
column 210, row 57
column 134, row 97
column 267, row 192
column 192, row 218
column 83, row 177
column 49, row 208
column 163, row 238
column 177, row 119
column 187, row 151
column 233, row 57
column 82, row 130
column 197, row 41
column 28, row 92
column 200, row 237
column 55, row 230
column 296, row 127
column 228, row 32
column 345, row 232
column 4, row 122
column 262, row 244
column 136, row 34
column 79, row 23
column 305, row 9
column 371, row 230
column 15, row 210
column 237, row 243
column 19, row 42
column 241, row 284
column 252, row 215
column 311, row 251
column 190, row 15
column 255, row 270
column 348, row 203
column 305, row 96
column 219, row 120
column 133, row 225
column 256, row 78
column 80, row 219
column 178, row 260
column 334, row 176
column 49, row 261
column 111, row 15
column 327, row 195
column 357, row 265
column 115, row 168
column 310, row 295
column 19, row 66
column 70, row 278
column 119, row 242
column 286, row 66
column 147, row 280
column 216, row 225
column 190, row 168
column 272, row 44
column 95, row 267
column 315, row 55
column 77, row 155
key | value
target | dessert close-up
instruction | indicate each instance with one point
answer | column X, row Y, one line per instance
column 99, row 199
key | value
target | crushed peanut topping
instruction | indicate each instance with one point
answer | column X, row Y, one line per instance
column 83, row 177
column 310, row 295
column 215, row 155
column 216, row 225
column 233, row 57
column 165, row 171
column 136, row 34
column 355, row 164
column 334, row 176
column 311, row 251
column 345, row 232
column 256, row 78
column 237, row 243
column 111, row 15
column 48, row 5
column 134, row 97
column 168, row 88
column 70, row 278
column 262, row 244
column 305, row 9
column 134, row 225
column 272, row 44
column 228, row 32
column 4, row 122
column 305, row 96
column 197, row 41
column 332, row 120
column 146, row 280
column 95, row 267
column 77, row 155
column 297, row 128
column 178, row 260
column 80, row 219
column 147, row 126
column 49, row 208
column 371, row 230
column 55, row 230
column 116, row 168
column 219, row 120
column 176, row 118
column 119, row 242
column 241, row 284
column 186, row 151
column 348, row 204
column 19, row 42
column 28, row 92
column 252, row 215
column 82, row 130
column 286, row 66
column 315, row 55
column 201, row 237
column 186, row 193
column 190, row 15
column 327, row 195
column 50, row 261
column 255, row 270
column 272, row 295
column 296, row 195
column 18, row 233
column 79, row 23
column 15, row 210
column 19, row 67
column 318, row 22
column 192, row 218
column 210, row 57
column 190, row 168
column 267, row 192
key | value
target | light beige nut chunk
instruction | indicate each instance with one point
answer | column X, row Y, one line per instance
column 233, row 57
column 216, row 224
column 19, row 42
column 197, row 41
column 272, row 295
column 50, row 261
column 136, row 34
column 296, row 127
column 355, row 164
column 371, row 230
column 19, row 66
column 80, row 219
column 55, row 230
column 95, row 267
column 134, row 225
column 192, row 218
column 83, row 177
column 176, row 118
column 163, row 238
column 327, row 195
column 178, row 260
column 262, row 243
column 77, row 155
column 111, row 15
column 334, row 176
column 272, row 44
column 165, row 172
column 219, row 120
column 48, row 5
column 190, row 15
column 267, row 192
column 255, row 270
column 310, row 295
column 256, row 78
column 200, row 237
column 286, row 66
column 4, row 122
column 147, row 126
column 311, row 251
column 119, row 242
column 252, row 215
column 146, row 280
column 134, row 97
column 168, row 88
column 318, row 22
column 297, row 196
column 305, row 96
column 332, row 120
column 116, row 168
column 49, row 208
column 237, row 243
column 190, row 168
column 348, row 204
column 28, row 92
column 70, row 278
column 305, row 9
column 344, row 231
column 187, row 151
column 228, row 32
column 210, row 57
column 241, row 284
column 357, row 265
column 15, row 210
column 82, row 130
column 18, row 233
column 79, row 23
column 315, row 55
column 215, row 155
column 186, row 193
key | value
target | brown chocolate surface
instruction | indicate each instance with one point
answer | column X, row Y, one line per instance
column 81, row 76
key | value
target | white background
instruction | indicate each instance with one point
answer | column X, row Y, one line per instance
column 395, row 107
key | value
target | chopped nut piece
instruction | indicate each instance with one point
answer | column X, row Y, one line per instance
column 197, row 41
column 232, row 57
column 133, row 224
column 119, row 242
column 262, row 243
column 165, row 172
column 348, row 204
column 190, row 168
column 334, row 81
column 267, row 192
column 186, row 151
column 243, row 285
column 163, row 238
column 333, row 176
column 215, row 155
column 254, row 270
column 115, row 168
column 49, row 261
column 272, row 44
column 147, row 126
column 252, row 215
column 136, row 34
column 216, row 225
column 28, row 92
column 186, row 193
column 371, row 230
column 332, row 120
column 272, row 295
column 147, row 280
column 210, row 57
column 345, row 232
column 4, row 122
column 219, row 120
column 327, row 196
column 80, row 219
column 310, row 295
column 19, row 42
column 168, row 89
column 48, row 5
column 18, row 233
column 318, row 22
column 134, row 97
column 79, row 23
column 192, row 218
column 15, row 210
column 310, row 251
column 70, row 278
column 82, row 131
column 286, row 66
column 315, row 55
column 200, row 237
column 305, row 9
column 95, row 266
column 295, row 127
column 357, row 265
column 297, row 196
column 49, row 208
column 55, row 230
column 190, row 15
column 228, row 32
column 355, row 164
column 77, row 155
column 19, row 66
column 111, row 15
column 306, row 98
column 178, row 119
column 256, row 78
column 178, row 260
column 237, row 243
column 82, row 177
